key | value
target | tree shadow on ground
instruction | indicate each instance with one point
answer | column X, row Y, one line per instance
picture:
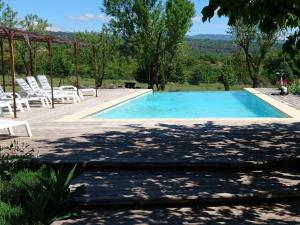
column 178, row 143
column 184, row 186
column 280, row 213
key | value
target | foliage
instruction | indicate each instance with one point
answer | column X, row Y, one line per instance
column 279, row 62
column 62, row 61
column 270, row 16
column 295, row 87
column 97, row 59
column 31, row 194
column 195, row 76
column 10, row 215
column 228, row 76
column 255, row 45
column 8, row 17
column 151, row 32
column 38, row 197
column 14, row 158
column 47, row 204
column 16, row 190
column 28, row 50
column 217, row 47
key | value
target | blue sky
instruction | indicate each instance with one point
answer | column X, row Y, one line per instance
column 80, row 15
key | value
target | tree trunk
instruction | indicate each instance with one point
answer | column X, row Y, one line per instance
column 255, row 82
column 225, row 82
column 150, row 77
column 25, row 65
column 102, row 74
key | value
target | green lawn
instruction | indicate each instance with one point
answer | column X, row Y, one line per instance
column 89, row 82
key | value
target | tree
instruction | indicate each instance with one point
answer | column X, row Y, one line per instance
column 228, row 76
column 279, row 61
column 104, row 47
column 256, row 45
column 269, row 15
column 150, row 31
column 28, row 49
column 8, row 17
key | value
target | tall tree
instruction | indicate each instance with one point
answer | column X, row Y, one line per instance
column 99, row 57
column 151, row 31
column 228, row 76
column 269, row 15
column 256, row 45
column 28, row 50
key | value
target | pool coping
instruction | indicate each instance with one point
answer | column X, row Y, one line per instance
column 81, row 116
column 282, row 107
column 85, row 115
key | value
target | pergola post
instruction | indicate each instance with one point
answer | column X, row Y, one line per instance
column 2, row 64
column 95, row 69
column 10, row 35
column 31, row 60
column 50, row 59
column 75, row 45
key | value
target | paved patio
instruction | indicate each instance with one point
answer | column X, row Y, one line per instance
column 291, row 100
column 163, row 161
column 280, row 213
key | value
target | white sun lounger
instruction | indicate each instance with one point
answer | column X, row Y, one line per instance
column 58, row 95
column 9, row 124
column 30, row 95
column 8, row 97
column 4, row 105
column 46, row 86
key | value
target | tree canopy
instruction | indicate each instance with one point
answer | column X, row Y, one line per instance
column 151, row 31
column 269, row 15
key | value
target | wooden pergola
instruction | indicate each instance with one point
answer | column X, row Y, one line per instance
column 20, row 35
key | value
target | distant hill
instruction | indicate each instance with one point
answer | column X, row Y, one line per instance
column 200, row 43
column 213, row 37
column 67, row 35
column 211, row 46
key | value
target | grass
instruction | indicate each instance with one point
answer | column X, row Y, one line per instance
column 88, row 82
column 111, row 84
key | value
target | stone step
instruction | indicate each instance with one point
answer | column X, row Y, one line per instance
column 279, row 213
column 283, row 163
column 186, row 187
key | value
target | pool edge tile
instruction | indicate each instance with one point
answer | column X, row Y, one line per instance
column 286, row 109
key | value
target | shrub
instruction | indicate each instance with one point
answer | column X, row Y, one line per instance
column 195, row 76
column 294, row 88
column 48, row 203
column 14, row 158
column 32, row 196
column 10, row 215
column 17, row 187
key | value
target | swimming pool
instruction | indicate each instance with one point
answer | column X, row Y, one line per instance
column 218, row 104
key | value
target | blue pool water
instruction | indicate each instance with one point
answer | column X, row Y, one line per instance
column 232, row 104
